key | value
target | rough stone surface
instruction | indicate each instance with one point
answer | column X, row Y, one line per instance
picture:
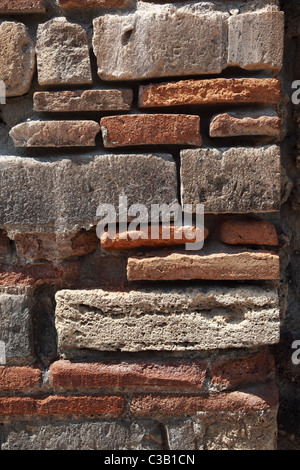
column 213, row 91
column 88, row 100
column 240, row 180
column 256, row 40
column 57, row 191
column 85, row 435
column 11, row 7
column 248, row 231
column 129, row 47
column 17, row 58
column 62, row 54
column 15, row 325
column 55, row 134
column 165, row 318
column 69, row 4
column 211, row 263
column 142, row 238
column 151, row 129
column 177, row 373
column 236, row 124
column 19, row 379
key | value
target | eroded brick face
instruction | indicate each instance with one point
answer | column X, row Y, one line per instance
column 127, row 320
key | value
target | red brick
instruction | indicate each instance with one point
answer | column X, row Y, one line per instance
column 19, row 378
column 213, row 91
column 248, row 231
column 67, row 4
column 179, row 374
column 133, row 239
column 258, row 399
column 151, row 129
column 65, row 274
column 108, row 405
column 237, row 372
column 22, row 6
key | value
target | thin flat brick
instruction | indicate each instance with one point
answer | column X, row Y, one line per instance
column 19, row 378
column 151, row 129
column 62, row 54
column 247, row 231
column 64, row 274
column 168, row 374
column 210, row 92
column 166, row 318
column 237, row 124
column 108, row 405
column 233, row 373
column 175, row 235
column 232, row 180
column 79, row 101
column 17, row 7
column 17, row 58
column 107, row 4
column 261, row 398
column 55, row 134
column 213, row 263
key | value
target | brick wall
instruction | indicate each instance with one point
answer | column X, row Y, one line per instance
column 130, row 342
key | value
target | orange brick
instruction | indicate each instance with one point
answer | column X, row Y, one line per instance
column 248, row 231
column 22, row 6
column 19, row 378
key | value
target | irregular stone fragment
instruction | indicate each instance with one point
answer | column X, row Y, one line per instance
column 135, row 46
column 69, row 4
column 88, row 100
column 239, row 180
column 55, row 134
column 210, row 263
column 251, row 123
column 100, row 435
column 166, row 318
column 17, row 58
column 151, row 129
column 17, row 7
column 256, row 40
column 15, row 324
column 62, row 54
column 213, row 91
column 248, row 231
column 65, row 194
column 167, row 236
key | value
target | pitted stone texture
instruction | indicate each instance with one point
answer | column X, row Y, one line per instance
column 213, row 91
column 245, row 123
column 69, row 4
column 211, row 263
column 151, row 129
column 17, row 58
column 256, row 40
column 66, row 193
column 55, row 134
column 135, row 46
column 62, row 54
column 88, row 100
column 15, row 325
column 240, row 180
column 166, row 318
column 85, row 435
column 16, row 7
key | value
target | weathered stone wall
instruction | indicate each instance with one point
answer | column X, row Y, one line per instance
column 129, row 342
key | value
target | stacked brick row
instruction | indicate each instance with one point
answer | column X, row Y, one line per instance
column 130, row 342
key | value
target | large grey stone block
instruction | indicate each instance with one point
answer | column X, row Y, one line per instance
column 161, row 40
column 167, row 318
column 238, row 179
column 40, row 196
column 15, row 324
